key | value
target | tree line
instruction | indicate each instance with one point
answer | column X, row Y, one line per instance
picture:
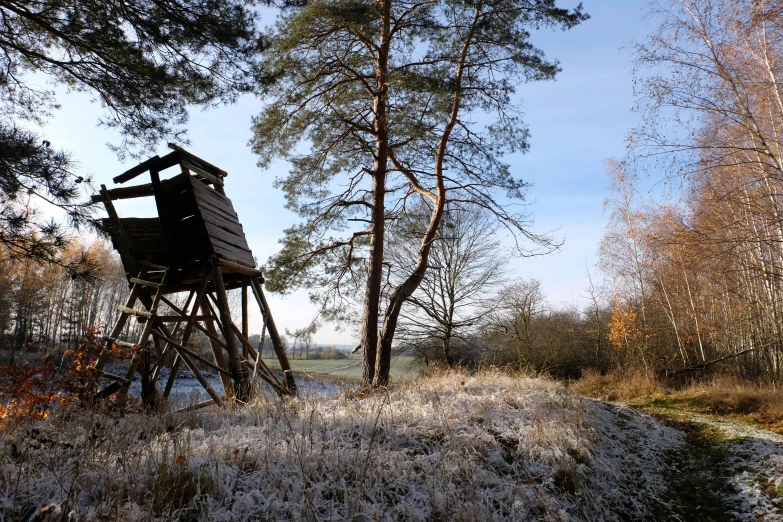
column 697, row 274
column 44, row 308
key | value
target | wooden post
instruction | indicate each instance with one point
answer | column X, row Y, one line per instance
column 260, row 350
column 274, row 335
column 217, row 350
column 244, row 317
column 202, row 329
column 149, row 392
column 238, row 370
column 172, row 376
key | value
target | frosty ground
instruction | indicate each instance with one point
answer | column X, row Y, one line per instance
column 444, row 447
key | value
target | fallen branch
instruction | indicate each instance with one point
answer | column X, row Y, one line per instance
column 702, row 366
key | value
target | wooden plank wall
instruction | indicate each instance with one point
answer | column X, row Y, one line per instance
column 222, row 224
column 190, row 246
column 145, row 239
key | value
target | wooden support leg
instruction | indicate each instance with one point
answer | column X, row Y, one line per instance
column 172, row 376
column 134, row 364
column 274, row 335
column 202, row 289
column 245, row 325
column 242, row 390
column 260, row 351
column 217, row 351
column 149, row 392
column 177, row 360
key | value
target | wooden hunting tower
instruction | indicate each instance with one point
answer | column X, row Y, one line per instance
column 197, row 246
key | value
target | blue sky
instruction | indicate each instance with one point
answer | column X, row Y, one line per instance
column 576, row 123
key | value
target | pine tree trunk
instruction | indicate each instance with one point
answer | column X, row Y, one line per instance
column 406, row 289
column 372, row 297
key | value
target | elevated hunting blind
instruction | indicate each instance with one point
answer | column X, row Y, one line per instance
column 196, row 246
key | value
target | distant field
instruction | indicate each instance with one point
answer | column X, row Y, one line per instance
column 403, row 368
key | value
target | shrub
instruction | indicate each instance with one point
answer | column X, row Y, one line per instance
column 32, row 390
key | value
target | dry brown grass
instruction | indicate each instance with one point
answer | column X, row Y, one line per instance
column 726, row 396
column 759, row 403
column 621, row 385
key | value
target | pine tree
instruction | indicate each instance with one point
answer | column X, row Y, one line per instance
column 376, row 103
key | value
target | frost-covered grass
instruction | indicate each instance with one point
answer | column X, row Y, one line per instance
column 756, row 462
column 744, row 419
column 446, row 447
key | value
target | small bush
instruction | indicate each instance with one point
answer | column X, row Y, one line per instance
column 34, row 390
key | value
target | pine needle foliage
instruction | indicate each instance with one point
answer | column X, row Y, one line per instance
column 144, row 61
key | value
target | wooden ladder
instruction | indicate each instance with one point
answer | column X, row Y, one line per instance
column 139, row 292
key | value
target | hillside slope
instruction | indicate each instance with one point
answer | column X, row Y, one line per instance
column 449, row 447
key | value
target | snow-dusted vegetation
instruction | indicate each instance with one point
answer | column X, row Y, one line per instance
column 757, row 474
column 449, row 447
column 754, row 463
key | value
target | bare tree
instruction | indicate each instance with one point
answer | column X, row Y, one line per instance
column 518, row 305
column 466, row 265
column 595, row 294
column 302, row 338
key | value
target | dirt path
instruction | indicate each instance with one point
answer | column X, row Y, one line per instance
column 727, row 471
